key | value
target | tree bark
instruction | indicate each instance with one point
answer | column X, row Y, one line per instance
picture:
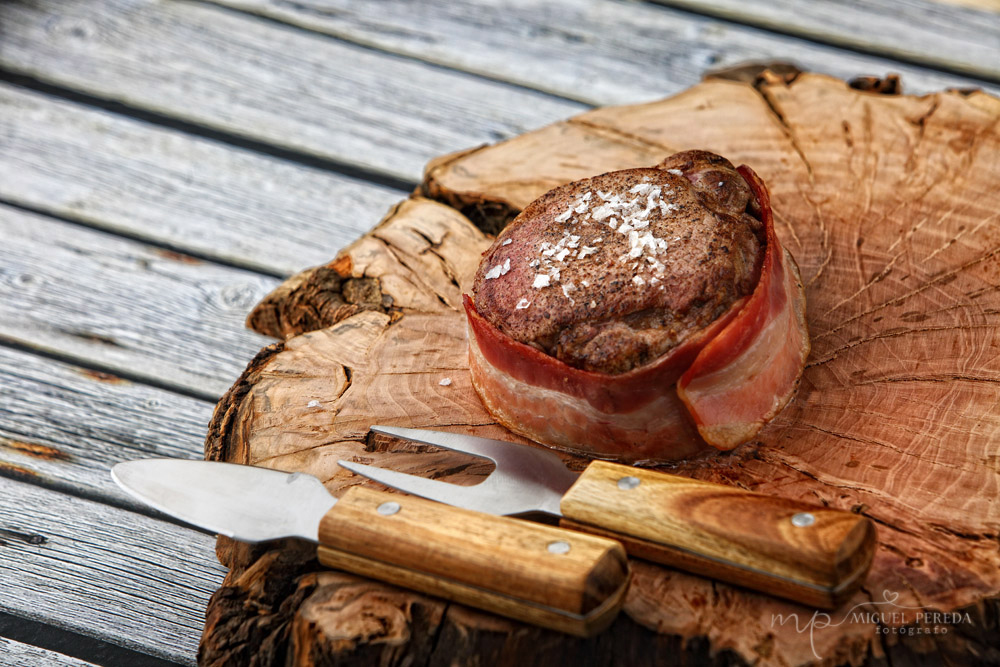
column 890, row 206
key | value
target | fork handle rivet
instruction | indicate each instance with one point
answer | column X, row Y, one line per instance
column 558, row 547
column 626, row 483
column 803, row 519
column 388, row 508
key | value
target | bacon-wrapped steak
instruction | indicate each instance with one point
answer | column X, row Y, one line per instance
column 640, row 314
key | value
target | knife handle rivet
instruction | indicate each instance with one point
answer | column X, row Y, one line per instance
column 803, row 519
column 558, row 547
column 626, row 483
column 385, row 509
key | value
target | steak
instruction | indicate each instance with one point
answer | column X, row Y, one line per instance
column 611, row 272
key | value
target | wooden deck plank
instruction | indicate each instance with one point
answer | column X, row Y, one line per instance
column 125, row 306
column 64, row 426
column 193, row 194
column 599, row 52
column 961, row 39
column 16, row 654
column 104, row 572
column 258, row 79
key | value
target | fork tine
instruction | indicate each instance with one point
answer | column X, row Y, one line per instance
column 470, row 497
column 467, row 444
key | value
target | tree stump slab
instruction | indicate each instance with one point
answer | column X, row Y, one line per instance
column 891, row 207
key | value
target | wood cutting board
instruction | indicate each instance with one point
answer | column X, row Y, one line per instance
column 891, row 206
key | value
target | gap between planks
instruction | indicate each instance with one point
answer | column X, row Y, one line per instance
column 26, row 643
column 125, row 306
column 221, row 136
column 182, row 193
column 604, row 52
column 952, row 40
column 274, row 84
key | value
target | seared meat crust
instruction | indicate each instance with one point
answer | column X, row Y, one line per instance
column 610, row 272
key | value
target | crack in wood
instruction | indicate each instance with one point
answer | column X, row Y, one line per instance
column 894, row 334
column 628, row 136
column 942, row 279
column 763, row 91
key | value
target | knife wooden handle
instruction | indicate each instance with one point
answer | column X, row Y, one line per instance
column 787, row 548
column 541, row 574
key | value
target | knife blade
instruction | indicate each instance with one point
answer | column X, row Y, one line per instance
column 536, row 573
column 784, row 547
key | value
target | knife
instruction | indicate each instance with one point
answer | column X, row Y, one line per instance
column 788, row 548
column 540, row 574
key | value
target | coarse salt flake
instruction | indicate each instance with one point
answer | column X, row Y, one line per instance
column 445, row 382
column 602, row 212
column 522, row 304
column 498, row 270
column 541, row 280
column 638, row 280
column 506, row 242
column 675, row 172
column 312, row 404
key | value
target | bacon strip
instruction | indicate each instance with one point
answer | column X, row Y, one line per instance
column 730, row 378
column 750, row 371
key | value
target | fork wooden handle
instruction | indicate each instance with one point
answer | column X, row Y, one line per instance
column 541, row 574
column 795, row 550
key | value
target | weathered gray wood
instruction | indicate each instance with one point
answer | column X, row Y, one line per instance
column 104, row 572
column 124, row 305
column 16, row 654
column 167, row 186
column 963, row 39
column 256, row 78
column 65, row 426
column 599, row 52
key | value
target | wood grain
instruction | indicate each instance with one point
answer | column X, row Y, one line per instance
column 503, row 565
column 723, row 533
column 63, row 426
column 125, row 306
column 253, row 78
column 104, row 572
column 16, row 654
column 887, row 204
column 191, row 194
column 614, row 52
